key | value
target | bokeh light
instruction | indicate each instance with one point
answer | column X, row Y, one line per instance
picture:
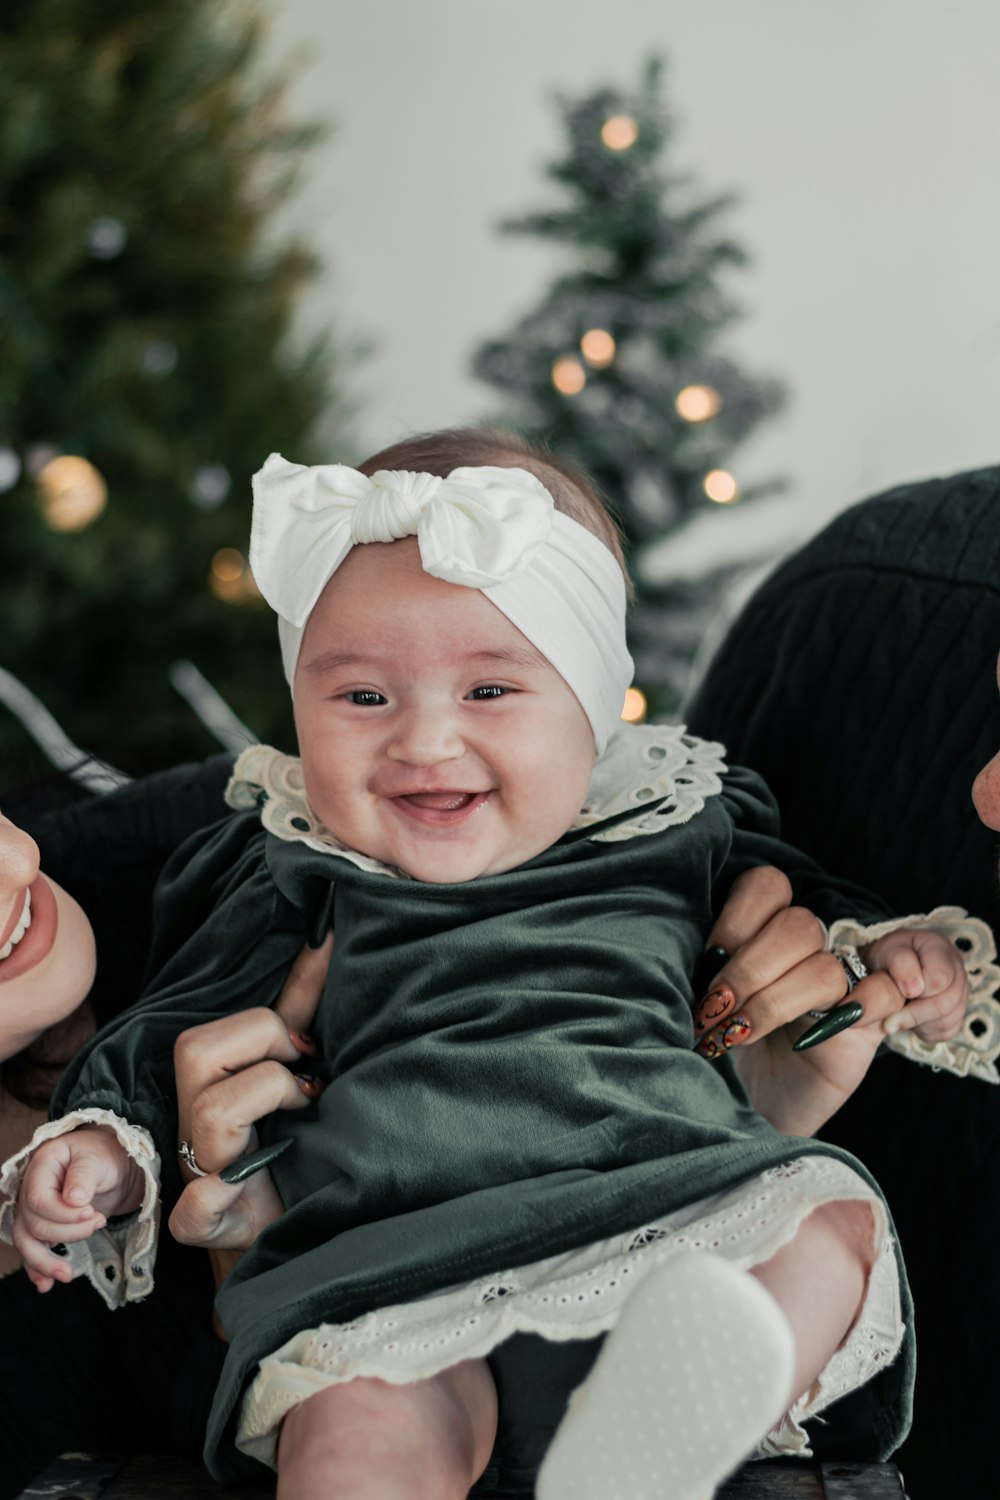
column 619, row 132
column 697, row 403
column 598, row 347
column 634, row 708
column 72, row 492
column 720, row 486
column 568, row 376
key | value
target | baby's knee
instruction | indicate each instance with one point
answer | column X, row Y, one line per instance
column 371, row 1437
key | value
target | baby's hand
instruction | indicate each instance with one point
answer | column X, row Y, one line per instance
column 70, row 1187
column 927, row 969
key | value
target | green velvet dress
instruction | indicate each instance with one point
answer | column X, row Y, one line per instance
column 509, row 1061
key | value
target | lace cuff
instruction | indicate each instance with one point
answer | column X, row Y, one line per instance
column 116, row 1260
column 974, row 1051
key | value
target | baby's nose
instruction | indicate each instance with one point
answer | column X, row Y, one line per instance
column 424, row 739
column 19, row 862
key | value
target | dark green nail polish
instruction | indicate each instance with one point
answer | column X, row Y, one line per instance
column 835, row 1020
column 256, row 1161
column 711, row 961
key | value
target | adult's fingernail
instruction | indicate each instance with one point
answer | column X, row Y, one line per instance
column 737, row 1031
column 721, row 1038
column 309, row 1084
column 712, row 960
column 715, row 1007
column 254, row 1161
column 302, row 1040
column 835, row 1020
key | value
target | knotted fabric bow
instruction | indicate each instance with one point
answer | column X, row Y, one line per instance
column 494, row 529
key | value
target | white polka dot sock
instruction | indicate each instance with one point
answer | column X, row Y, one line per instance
column 696, row 1372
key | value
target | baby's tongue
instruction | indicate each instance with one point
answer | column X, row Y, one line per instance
column 440, row 801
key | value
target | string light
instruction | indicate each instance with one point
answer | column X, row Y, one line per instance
column 619, row 132
column 634, row 708
column 73, row 493
column 720, row 486
column 598, row 347
column 568, row 376
column 697, row 403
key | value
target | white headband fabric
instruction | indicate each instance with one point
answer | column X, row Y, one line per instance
column 492, row 529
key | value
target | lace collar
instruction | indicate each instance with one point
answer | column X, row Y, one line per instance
column 657, row 771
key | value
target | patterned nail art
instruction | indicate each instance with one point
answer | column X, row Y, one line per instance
column 715, row 1007
column 309, row 1084
column 721, row 1038
column 302, row 1040
column 738, row 1030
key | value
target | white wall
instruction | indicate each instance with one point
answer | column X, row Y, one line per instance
column 862, row 135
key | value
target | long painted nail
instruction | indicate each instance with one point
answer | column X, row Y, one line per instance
column 835, row 1020
column 255, row 1161
column 715, row 1007
column 303, row 1041
column 721, row 1038
column 712, row 960
column 309, row 1084
column 738, row 1031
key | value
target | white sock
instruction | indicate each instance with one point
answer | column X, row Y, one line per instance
column 696, row 1372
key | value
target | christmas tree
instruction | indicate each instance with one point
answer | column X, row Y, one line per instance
column 148, row 367
column 620, row 367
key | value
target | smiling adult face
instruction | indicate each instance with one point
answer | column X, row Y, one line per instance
column 47, row 952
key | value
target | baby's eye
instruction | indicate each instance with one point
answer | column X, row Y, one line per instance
column 366, row 698
column 491, row 690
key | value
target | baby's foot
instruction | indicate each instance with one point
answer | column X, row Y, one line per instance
column 696, row 1372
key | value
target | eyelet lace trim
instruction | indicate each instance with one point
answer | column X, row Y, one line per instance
column 580, row 1294
column 659, row 770
column 974, row 1051
column 117, row 1260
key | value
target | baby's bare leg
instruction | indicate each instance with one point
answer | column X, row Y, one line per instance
column 369, row 1440
column 818, row 1280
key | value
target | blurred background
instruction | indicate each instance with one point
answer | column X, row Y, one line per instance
column 738, row 260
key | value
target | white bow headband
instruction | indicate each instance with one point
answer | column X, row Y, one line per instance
column 493, row 529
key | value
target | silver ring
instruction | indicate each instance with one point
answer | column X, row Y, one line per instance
column 186, row 1153
column 854, row 970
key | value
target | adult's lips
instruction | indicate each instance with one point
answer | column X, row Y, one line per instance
column 38, row 938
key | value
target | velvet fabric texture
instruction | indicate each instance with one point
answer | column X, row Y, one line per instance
column 860, row 680
column 509, row 1063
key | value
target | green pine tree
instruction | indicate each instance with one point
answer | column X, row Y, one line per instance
column 596, row 369
column 147, row 303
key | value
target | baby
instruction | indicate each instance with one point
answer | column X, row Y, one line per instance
column 517, row 1168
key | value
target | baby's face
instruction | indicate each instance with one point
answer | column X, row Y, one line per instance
column 434, row 736
column 46, row 943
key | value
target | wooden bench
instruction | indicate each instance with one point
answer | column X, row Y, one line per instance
column 77, row 1476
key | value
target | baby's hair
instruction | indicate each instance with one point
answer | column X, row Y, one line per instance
column 461, row 447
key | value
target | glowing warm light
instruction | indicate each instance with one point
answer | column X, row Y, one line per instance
column 231, row 579
column 73, row 493
column 619, row 132
column 696, row 403
column 568, row 376
column 634, row 709
column 598, row 347
column 721, row 487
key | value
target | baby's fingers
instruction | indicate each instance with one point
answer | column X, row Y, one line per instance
column 43, row 1265
column 936, row 1018
column 904, row 968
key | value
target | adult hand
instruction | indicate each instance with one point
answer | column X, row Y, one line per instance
column 230, row 1073
column 759, row 1001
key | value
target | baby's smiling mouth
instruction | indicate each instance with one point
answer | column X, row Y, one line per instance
column 439, row 801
